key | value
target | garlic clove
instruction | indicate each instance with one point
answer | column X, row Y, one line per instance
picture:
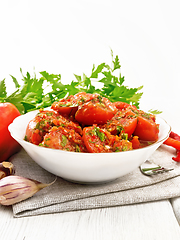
column 14, row 189
column 6, row 169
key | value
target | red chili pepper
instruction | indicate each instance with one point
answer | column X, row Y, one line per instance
column 174, row 141
column 177, row 158
column 174, row 135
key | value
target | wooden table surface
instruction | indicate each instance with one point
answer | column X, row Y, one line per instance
column 155, row 220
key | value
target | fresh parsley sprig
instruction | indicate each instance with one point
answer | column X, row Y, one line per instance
column 31, row 94
column 113, row 85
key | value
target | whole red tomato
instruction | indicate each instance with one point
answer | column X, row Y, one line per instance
column 8, row 146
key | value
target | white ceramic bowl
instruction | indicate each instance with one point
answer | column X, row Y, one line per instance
column 85, row 167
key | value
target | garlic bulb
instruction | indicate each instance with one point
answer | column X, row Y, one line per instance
column 6, row 169
column 15, row 189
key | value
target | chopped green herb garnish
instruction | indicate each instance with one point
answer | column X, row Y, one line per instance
column 49, row 113
column 64, row 141
column 47, row 139
column 77, row 148
column 119, row 129
column 100, row 134
column 124, row 136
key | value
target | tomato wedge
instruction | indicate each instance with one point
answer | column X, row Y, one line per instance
column 65, row 106
column 33, row 134
column 121, row 105
column 97, row 111
column 123, row 121
column 64, row 139
column 128, row 125
column 38, row 126
column 44, row 121
column 96, row 140
column 122, row 145
column 99, row 140
column 68, row 106
column 146, row 129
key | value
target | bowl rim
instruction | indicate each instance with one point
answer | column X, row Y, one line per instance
column 83, row 153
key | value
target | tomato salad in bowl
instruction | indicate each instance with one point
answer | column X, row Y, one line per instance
column 85, row 138
column 90, row 123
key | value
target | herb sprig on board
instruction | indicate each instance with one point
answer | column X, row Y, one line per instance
column 30, row 95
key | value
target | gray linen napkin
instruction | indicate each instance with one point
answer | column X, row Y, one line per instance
column 65, row 196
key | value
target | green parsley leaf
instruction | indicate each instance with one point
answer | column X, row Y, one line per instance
column 154, row 111
column 97, row 71
column 100, row 134
column 41, row 92
column 3, row 92
column 64, row 141
column 17, row 85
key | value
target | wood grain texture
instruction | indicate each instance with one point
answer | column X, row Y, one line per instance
column 155, row 220
column 175, row 202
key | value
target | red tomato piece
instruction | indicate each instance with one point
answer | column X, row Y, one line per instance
column 40, row 125
column 148, row 116
column 96, row 140
column 97, row 111
column 8, row 146
column 124, row 106
column 44, row 121
column 122, row 145
column 135, row 142
column 146, row 129
column 33, row 134
column 83, row 97
column 128, row 125
column 123, row 121
column 121, row 105
column 68, row 106
column 64, row 139
column 99, row 140
column 65, row 106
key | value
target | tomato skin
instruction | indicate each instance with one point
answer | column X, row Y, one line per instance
column 121, row 105
column 129, row 125
column 93, row 142
column 38, row 126
column 122, row 145
column 95, row 112
column 33, row 135
column 8, row 146
column 123, row 121
column 65, row 111
column 68, row 106
column 99, row 140
column 124, row 106
column 146, row 129
column 64, row 139
column 44, row 121
column 83, row 97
